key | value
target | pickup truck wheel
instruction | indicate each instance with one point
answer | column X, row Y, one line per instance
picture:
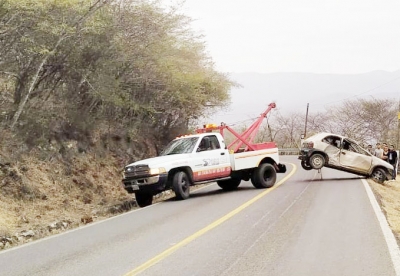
column 229, row 184
column 143, row 199
column 306, row 166
column 317, row 161
column 181, row 185
column 378, row 175
column 264, row 176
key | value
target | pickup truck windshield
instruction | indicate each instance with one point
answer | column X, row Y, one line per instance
column 179, row 146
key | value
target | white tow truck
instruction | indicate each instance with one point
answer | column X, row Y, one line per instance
column 204, row 157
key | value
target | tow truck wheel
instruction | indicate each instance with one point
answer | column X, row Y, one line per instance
column 229, row 184
column 181, row 185
column 306, row 166
column 264, row 176
column 378, row 175
column 143, row 199
column 317, row 161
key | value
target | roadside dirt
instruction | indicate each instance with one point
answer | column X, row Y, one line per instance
column 388, row 196
column 41, row 198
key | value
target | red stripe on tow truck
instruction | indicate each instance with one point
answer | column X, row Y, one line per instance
column 211, row 173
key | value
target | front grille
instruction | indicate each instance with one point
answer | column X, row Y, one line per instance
column 137, row 171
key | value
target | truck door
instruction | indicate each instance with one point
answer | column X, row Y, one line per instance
column 211, row 161
column 353, row 157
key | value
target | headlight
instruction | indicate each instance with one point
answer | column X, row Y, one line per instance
column 129, row 169
column 157, row 171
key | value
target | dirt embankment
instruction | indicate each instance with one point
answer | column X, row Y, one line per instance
column 45, row 197
column 55, row 187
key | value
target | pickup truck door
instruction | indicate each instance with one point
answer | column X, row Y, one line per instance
column 211, row 161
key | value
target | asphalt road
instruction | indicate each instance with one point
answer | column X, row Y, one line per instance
column 305, row 226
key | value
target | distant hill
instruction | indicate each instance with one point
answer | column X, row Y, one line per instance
column 292, row 92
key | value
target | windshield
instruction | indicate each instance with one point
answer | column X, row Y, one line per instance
column 179, row 146
column 357, row 148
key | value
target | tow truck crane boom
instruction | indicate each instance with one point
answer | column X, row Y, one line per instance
column 246, row 137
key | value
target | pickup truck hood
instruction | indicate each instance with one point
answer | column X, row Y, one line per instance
column 165, row 161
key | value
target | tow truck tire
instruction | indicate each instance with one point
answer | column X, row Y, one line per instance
column 230, row 184
column 144, row 199
column 306, row 166
column 181, row 185
column 264, row 176
column 378, row 175
column 317, row 161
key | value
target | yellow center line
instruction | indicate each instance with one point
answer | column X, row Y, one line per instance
column 209, row 227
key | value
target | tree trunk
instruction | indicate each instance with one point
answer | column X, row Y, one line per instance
column 33, row 83
column 20, row 87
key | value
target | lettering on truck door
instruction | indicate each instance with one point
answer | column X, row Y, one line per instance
column 211, row 161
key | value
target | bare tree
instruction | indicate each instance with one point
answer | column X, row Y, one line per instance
column 365, row 120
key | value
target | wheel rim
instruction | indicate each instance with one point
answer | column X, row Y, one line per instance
column 184, row 184
column 378, row 175
column 317, row 161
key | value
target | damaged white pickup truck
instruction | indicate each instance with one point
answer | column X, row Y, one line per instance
column 341, row 153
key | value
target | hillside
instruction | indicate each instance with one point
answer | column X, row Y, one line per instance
column 43, row 192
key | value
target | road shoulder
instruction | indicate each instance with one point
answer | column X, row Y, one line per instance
column 388, row 202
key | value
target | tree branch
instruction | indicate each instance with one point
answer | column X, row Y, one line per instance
column 9, row 74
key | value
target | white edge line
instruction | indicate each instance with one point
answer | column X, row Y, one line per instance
column 85, row 226
column 393, row 247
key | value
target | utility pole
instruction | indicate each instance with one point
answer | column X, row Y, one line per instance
column 305, row 127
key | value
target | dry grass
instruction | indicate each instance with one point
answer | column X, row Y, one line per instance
column 7, row 220
column 388, row 195
column 35, row 194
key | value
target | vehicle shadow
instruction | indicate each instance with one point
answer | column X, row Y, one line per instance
column 333, row 179
column 217, row 191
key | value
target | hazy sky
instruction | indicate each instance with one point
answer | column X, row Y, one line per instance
column 317, row 36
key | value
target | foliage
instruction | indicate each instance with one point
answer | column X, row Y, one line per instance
column 104, row 67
